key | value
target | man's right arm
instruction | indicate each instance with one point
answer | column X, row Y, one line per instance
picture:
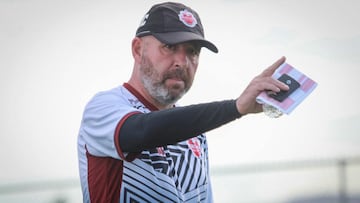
column 159, row 128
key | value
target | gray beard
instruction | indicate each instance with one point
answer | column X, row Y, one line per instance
column 159, row 92
column 155, row 86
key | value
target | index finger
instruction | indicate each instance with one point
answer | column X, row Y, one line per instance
column 270, row 70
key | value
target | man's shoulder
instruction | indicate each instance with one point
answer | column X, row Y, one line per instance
column 115, row 96
column 113, row 93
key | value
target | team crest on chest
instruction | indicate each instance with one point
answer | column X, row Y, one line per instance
column 160, row 151
column 187, row 18
column 194, row 145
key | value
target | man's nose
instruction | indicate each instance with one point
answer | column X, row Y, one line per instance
column 181, row 57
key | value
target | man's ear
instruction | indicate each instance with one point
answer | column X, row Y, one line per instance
column 136, row 48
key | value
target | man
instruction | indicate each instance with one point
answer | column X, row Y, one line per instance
column 135, row 143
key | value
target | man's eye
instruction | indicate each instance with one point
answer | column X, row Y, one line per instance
column 169, row 46
column 194, row 51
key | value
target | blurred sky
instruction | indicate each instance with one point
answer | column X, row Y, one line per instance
column 55, row 55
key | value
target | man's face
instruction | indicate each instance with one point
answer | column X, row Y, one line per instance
column 167, row 71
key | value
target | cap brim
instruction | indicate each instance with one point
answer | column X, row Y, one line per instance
column 181, row 37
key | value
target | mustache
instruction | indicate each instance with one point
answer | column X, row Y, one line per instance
column 176, row 73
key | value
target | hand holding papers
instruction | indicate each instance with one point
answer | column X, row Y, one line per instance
column 285, row 102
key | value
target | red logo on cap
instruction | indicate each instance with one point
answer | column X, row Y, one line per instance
column 187, row 18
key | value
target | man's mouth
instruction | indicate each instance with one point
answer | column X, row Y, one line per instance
column 175, row 78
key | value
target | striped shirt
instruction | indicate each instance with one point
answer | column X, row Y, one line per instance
column 172, row 173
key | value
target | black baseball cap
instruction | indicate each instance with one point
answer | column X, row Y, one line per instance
column 173, row 23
